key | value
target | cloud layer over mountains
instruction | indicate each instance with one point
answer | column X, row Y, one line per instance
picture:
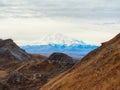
column 27, row 20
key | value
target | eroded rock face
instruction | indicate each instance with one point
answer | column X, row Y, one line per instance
column 9, row 50
column 60, row 58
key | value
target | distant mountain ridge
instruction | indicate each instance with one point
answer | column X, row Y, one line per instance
column 72, row 50
column 56, row 42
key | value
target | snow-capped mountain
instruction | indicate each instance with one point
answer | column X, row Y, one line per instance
column 55, row 42
column 60, row 39
column 54, row 38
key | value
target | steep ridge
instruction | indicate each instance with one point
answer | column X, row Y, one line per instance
column 9, row 50
column 99, row 70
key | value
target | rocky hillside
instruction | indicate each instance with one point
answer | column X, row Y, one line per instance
column 12, row 60
column 22, row 71
column 35, row 74
column 99, row 70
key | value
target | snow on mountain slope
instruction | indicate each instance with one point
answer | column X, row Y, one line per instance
column 58, row 38
column 54, row 38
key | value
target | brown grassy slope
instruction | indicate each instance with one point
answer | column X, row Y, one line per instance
column 2, row 74
column 99, row 70
column 39, row 57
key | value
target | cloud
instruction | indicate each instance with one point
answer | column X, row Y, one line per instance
column 60, row 8
column 81, row 19
column 33, row 29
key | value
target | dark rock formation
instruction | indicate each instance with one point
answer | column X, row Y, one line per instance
column 60, row 58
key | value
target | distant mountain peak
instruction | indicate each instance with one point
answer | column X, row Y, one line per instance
column 7, row 41
column 9, row 50
column 53, row 38
column 58, row 38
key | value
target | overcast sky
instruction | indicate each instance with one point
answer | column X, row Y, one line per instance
column 93, row 21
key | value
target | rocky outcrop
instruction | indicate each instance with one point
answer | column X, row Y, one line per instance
column 60, row 58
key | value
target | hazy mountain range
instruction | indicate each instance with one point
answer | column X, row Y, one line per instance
column 59, row 43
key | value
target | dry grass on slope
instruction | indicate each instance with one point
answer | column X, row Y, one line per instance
column 99, row 70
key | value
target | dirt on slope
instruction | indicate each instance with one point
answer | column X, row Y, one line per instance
column 99, row 70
